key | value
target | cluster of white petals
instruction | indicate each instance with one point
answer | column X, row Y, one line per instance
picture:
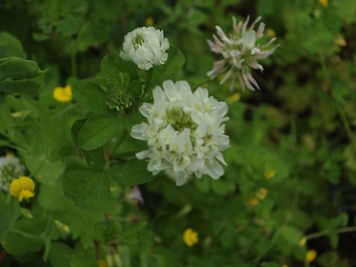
column 185, row 132
column 146, row 47
column 10, row 168
column 241, row 51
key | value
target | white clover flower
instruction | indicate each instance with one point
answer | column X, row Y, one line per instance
column 10, row 168
column 146, row 47
column 185, row 132
column 241, row 51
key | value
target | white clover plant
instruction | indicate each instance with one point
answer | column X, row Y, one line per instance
column 185, row 132
column 241, row 51
column 146, row 47
column 10, row 168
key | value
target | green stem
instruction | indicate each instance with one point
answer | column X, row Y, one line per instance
column 347, row 126
column 74, row 64
column 27, row 235
column 283, row 224
column 340, row 110
column 147, row 83
column 343, row 230
column 61, row 111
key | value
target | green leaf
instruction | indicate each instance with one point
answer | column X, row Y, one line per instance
column 171, row 69
column 10, row 46
column 25, row 236
column 114, row 72
column 345, row 9
column 60, row 255
column 9, row 213
column 90, row 96
column 18, row 75
column 291, row 234
column 97, row 131
column 222, row 187
column 113, row 65
column 87, row 188
column 339, row 221
column 44, row 169
column 94, row 157
column 131, row 173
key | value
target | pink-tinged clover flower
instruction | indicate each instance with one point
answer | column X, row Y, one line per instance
column 240, row 50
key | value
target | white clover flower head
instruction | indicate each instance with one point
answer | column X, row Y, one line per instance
column 10, row 168
column 146, row 47
column 241, row 51
column 185, row 132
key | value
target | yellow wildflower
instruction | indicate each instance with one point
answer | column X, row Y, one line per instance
column 285, row 265
column 340, row 40
column 311, row 255
column 262, row 193
column 324, row 3
column 303, row 241
column 149, row 21
column 22, row 188
column 220, row 77
column 63, row 94
column 253, row 202
column 269, row 174
column 102, row 263
column 62, row 227
column 233, row 98
column 270, row 33
column 190, row 237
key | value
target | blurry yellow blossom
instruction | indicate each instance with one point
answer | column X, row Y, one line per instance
column 303, row 241
column 62, row 227
column 149, row 21
column 253, row 201
column 190, row 237
column 270, row 33
column 311, row 255
column 262, row 193
column 340, row 40
column 102, row 263
column 269, row 174
column 285, row 265
column 324, row 3
column 63, row 94
column 233, row 98
column 22, row 188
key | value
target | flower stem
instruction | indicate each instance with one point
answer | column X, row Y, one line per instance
column 147, row 83
column 342, row 230
column 341, row 112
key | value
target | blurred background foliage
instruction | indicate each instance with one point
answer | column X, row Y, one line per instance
column 289, row 186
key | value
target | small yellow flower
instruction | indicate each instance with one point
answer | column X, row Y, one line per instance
column 63, row 94
column 270, row 33
column 149, row 21
column 311, row 255
column 62, row 227
column 253, row 202
column 190, row 237
column 285, row 265
column 303, row 241
column 220, row 77
column 233, row 98
column 269, row 174
column 22, row 188
column 102, row 263
column 340, row 40
column 324, row 3
column 262, row 193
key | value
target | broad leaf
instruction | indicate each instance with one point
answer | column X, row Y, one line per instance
column 87, row 188
column 97, row 131
column 130, row 173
